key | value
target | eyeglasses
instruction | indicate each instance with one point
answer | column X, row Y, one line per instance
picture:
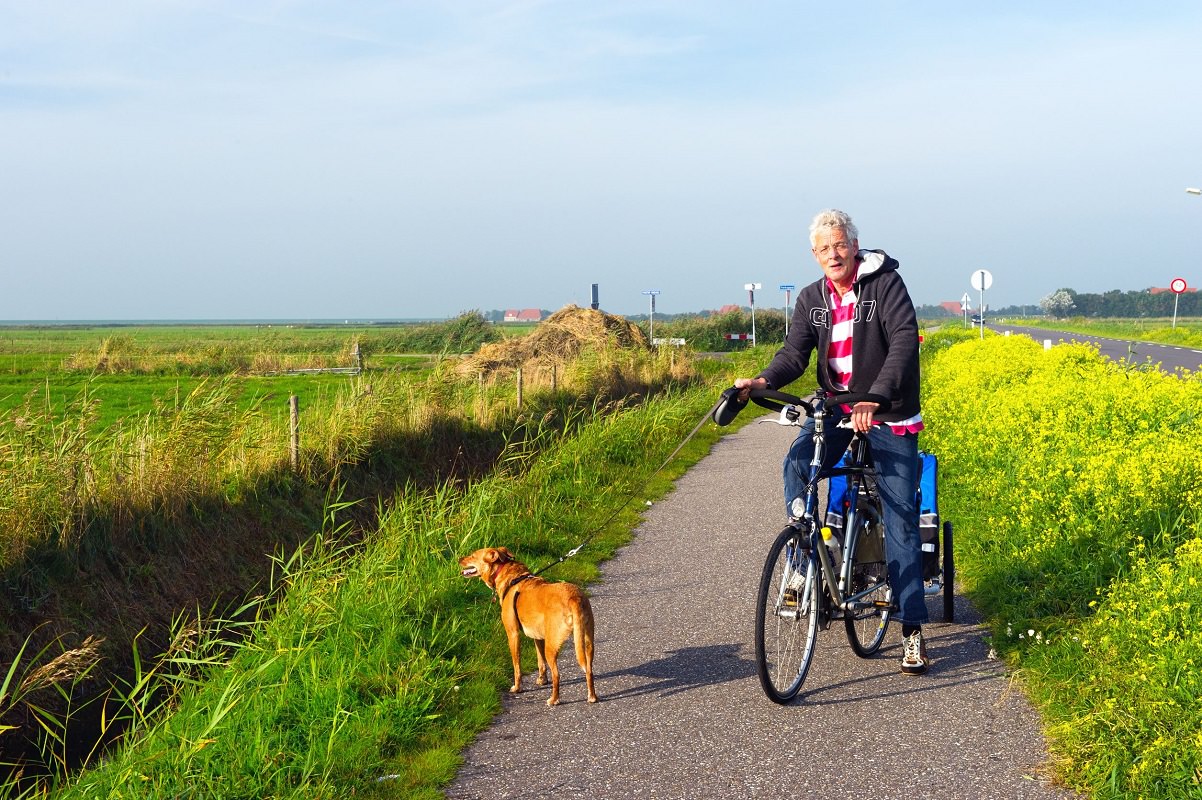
column 839, row 247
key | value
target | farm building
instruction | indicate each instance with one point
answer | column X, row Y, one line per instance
column 524, row 315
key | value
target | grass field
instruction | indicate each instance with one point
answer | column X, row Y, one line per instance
column 35, row 365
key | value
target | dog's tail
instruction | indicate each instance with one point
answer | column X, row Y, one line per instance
column 582, row 637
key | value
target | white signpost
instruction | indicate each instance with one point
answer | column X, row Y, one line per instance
column 982, row 279
column 751, row 287
column 787, row 288
column 651, row 326
column 1177, row 287
column 964, row 304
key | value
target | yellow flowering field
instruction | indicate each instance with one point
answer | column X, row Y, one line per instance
column 1075, row 488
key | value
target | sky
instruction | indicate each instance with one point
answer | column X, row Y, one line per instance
column 186, row 159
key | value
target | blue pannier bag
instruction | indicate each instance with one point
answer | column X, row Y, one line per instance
column 927, row 502
column 928, row 513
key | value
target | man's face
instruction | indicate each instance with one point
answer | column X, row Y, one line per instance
column 836, row 255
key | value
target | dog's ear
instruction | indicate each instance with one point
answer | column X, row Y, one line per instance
column 503, row 555
column 494, row 555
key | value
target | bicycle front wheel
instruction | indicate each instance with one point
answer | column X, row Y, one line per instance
column 871, row 598
column 787, row 612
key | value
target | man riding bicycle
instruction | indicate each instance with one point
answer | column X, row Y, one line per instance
column 860, row 319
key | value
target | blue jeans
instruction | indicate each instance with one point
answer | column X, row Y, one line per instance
column 896, row 459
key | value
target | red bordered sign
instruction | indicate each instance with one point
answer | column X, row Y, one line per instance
column 1178, row 285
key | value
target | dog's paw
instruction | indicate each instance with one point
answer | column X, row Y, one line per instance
column 515, row 689
column 553, row 701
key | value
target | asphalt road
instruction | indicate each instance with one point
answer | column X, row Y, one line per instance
column 682, row 714
column 1169, row 357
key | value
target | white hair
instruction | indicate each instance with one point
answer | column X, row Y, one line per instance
column 833, row 219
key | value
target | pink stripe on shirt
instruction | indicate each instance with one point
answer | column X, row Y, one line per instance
column 838, row 354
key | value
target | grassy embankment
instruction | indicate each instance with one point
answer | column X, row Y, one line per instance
column 376, row 668
column 1076, row 491
column 201, row 454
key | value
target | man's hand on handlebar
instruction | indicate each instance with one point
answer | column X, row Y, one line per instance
column 745, row 385
column 861, row 416
column 864, row 405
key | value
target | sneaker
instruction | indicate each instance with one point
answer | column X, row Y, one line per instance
column 914, row 657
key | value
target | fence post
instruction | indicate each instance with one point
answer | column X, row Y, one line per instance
column 294, row 427
column 519, row 387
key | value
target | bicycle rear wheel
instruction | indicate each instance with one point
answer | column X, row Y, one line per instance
column 787, row 616
column 869, row 618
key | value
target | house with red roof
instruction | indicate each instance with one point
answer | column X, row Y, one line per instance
column 523, row 315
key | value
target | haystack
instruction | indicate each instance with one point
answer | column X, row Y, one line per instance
column 557, row 340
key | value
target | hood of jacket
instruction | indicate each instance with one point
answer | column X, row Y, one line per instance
column 874, row 263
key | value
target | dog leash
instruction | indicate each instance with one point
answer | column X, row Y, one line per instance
column 638, row 489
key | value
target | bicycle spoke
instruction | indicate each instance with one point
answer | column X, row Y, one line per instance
column 867, row 621
column 786, row 624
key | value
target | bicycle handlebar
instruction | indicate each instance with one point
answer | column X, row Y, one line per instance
column 775, row 400
column 730, row 405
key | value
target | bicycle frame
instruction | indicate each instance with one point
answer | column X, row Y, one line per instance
column 863, row 484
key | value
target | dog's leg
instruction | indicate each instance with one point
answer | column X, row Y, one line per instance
column 582, row 636
column 540, row 647
column 515, row 643
column 552, row 648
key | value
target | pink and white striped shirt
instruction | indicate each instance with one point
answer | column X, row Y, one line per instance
column 838, row 355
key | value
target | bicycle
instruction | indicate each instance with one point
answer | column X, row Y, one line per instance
column 800, row 592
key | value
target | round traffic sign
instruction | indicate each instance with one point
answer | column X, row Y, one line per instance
column 982, row 279
column 1178, row 285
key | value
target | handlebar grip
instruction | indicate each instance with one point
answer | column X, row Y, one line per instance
column 728, row 407
column 850, row 399
column 775, row 400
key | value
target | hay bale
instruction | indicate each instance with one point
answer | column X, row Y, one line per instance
column 557, row 340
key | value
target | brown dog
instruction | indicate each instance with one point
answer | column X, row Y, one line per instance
column 546, row 612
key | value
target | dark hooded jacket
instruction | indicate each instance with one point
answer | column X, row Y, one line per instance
column 884, row 337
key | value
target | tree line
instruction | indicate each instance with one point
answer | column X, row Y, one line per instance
column 1115, row 303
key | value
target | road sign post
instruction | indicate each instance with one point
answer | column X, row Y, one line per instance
column 1177, row 287
column 651, row 326
column 787, row 288
column 751, row 287
column 982, row 279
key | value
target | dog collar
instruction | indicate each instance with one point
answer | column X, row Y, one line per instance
column 513, row 583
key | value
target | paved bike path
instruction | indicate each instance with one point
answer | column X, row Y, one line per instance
column 682, row 714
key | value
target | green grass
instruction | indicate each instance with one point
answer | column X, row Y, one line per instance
column 125, row 398
column 384, row 663
column 74, row 498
